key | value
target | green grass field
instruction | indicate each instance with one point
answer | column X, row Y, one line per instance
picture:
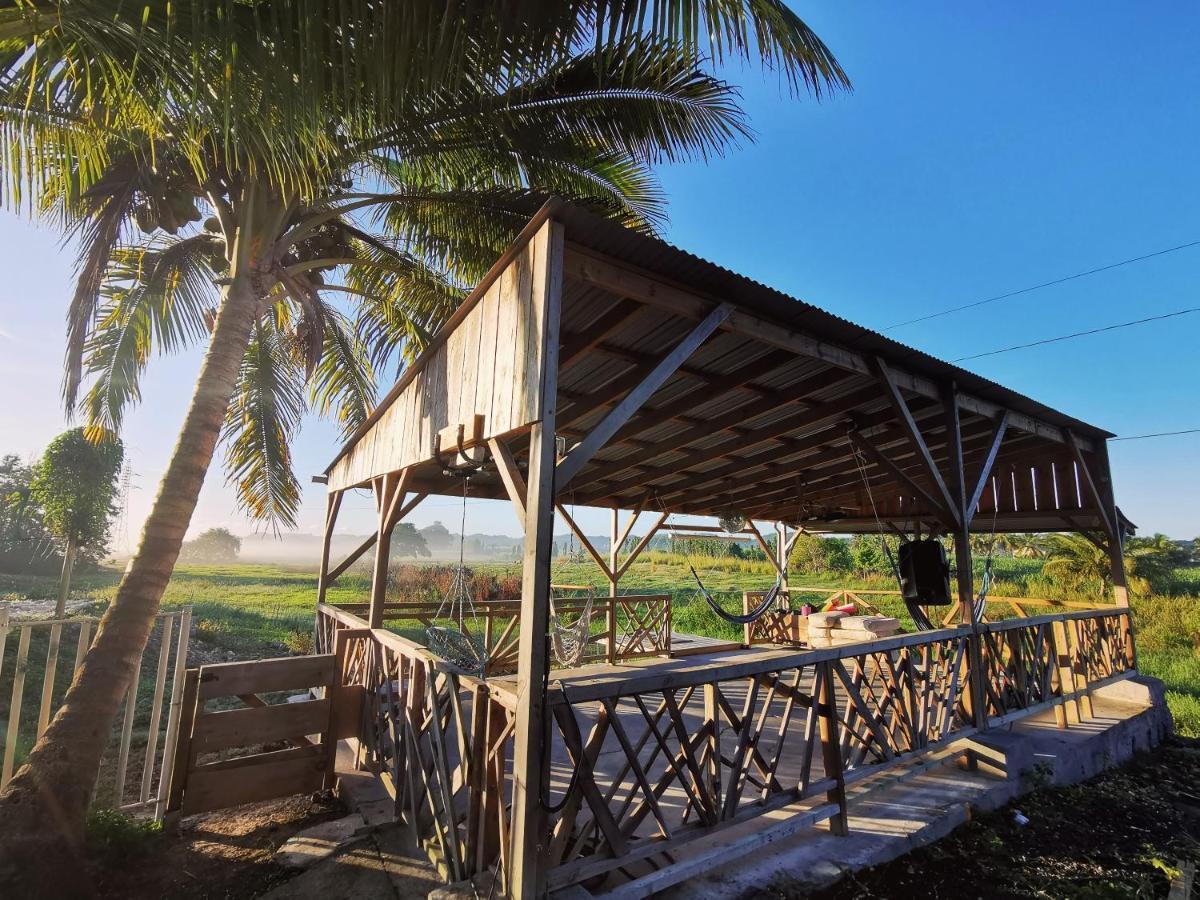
column 254, row 611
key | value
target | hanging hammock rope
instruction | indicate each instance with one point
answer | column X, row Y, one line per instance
column 920, row 618
column 569, row 639
column 455, row 641
column 770, row 598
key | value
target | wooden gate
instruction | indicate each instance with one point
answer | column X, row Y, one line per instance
column 254, row 731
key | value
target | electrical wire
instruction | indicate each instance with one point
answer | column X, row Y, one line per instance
column 1044, row 284
column 1142, row 437
column 1067, row 337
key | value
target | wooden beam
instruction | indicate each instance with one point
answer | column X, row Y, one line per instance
column 735, row 419
column 609, row 321
column 641, row 545
column 510, row 474
column 350, row 560
column 985, row 472
column 935, row 504
column 578, row 457
column 389, row 495
column 900, row 405
column 531, row 733
column 628, row 281
column 333, row 503
column 1098, row 498
column 587, row 545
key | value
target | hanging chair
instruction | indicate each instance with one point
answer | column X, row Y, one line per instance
column 570, row 640
column 448, row 634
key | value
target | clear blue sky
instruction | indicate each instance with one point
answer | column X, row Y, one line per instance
column 986, row 147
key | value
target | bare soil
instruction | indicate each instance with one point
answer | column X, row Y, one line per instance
column 225, row 854
column 1122, row 834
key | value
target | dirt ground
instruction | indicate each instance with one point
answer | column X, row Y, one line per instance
column 224, row 855
column 1123, row 834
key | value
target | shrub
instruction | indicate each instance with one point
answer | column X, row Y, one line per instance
column 114, row 837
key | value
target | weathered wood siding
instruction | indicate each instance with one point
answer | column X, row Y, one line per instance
column 486, row 365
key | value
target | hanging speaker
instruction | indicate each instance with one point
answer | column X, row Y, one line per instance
column 924, row 573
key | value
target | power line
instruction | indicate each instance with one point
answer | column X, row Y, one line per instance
column 1140, row 437
column 1044, row 284
column 1067, row 337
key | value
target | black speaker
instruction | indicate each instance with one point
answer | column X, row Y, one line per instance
column 924, row 573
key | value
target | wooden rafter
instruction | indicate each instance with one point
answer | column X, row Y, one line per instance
column 913, row 432
column 575, row 460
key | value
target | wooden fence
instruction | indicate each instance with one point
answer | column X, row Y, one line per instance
column 131, row 777
column 275, row 742
column 785, row 626
column 629, row 626
column 647, row 761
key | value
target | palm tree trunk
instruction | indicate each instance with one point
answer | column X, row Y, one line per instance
column 42, row 810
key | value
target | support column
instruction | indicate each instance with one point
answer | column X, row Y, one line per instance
column 957, row 484
column 332, row 504
column 782, row 546
column 389, row 490
column 614, row 579
column 531, row 737
column 1116, row 542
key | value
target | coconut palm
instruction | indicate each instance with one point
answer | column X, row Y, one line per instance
column 1077, row 563
column 304, row 261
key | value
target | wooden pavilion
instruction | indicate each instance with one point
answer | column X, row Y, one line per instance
column 598, row 367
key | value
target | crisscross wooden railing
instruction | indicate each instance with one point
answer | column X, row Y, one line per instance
column 647, row 760
column 629, row 626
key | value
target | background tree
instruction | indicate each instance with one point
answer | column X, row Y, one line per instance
column 1078, row 564
column 407, row 541
column 25, row 544
column 217, row 545
column 75, row 484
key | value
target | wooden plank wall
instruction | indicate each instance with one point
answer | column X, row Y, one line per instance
column 481, row 368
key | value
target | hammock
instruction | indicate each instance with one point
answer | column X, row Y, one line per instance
column 569, row 642
column 768, row 600
column 453, row 641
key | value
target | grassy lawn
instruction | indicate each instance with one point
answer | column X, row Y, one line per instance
column 255, row 611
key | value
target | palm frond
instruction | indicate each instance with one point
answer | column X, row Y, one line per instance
column 263, row 419
column 343, row 383
column 155, row 299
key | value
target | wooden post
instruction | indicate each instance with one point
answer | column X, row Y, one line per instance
column 333, row 503
column 614, row 578
column 389, row 490
column 782, row 546
column 1116, row 543
column 530, row 838
column 831, row 751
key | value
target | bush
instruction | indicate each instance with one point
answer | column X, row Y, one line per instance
column 114, row 837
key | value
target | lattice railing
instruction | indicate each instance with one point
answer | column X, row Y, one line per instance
column 647, row 760
column 439, row 741
column 900, row 696
column 629, row 626
column 680, row 762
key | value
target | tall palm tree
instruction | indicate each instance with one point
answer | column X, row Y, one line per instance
column 340, row 226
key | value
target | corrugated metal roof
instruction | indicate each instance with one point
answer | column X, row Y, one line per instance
column 688, row 270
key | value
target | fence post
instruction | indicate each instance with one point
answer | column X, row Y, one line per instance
column 831, row 753
column 1068, row 712
column 175, row 713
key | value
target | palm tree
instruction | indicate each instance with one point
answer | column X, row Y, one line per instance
column 393, row 203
